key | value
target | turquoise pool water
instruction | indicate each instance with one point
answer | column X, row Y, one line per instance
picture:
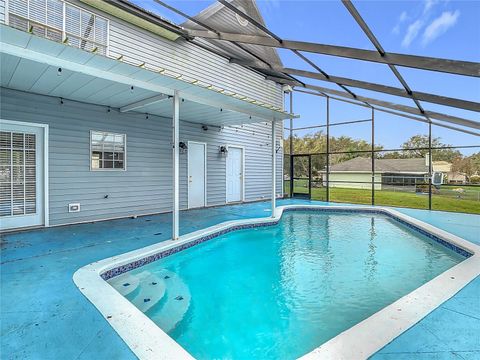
column 281, row 291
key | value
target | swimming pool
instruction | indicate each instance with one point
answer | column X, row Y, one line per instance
column 281, row 291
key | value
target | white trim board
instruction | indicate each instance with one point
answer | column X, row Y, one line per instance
column 362, row 340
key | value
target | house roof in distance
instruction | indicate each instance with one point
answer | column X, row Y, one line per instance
column 361, row 164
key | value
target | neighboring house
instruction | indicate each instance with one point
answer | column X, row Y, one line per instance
column 449, row 176
column 356, row 173
column 88, row 92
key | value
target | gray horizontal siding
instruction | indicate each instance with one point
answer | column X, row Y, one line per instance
column 138, row 45
column 146, row 185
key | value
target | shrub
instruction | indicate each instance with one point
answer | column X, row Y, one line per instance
column 474, row 179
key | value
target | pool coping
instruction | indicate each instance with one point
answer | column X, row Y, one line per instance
column 148, row 341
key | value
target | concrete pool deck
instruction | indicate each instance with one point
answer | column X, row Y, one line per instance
column 45, row 316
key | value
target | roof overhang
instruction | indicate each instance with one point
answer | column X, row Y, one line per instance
column 31, row 63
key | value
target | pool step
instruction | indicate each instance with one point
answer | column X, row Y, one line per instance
column 152, row 290
column 175, row 305
column 124, row 283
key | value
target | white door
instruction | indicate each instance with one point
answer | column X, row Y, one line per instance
column 21, row 175
column 234, row 174
column 197, row 170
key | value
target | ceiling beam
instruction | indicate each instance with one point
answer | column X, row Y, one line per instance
column 366, row 29
column 436, row 99
column 263, row 28
column 456, row 67
column 145, row 102
column 404, row 108
column 316, row 93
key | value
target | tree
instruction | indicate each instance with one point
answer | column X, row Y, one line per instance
column 464, row 166
column 417, row 147
column 316, row 143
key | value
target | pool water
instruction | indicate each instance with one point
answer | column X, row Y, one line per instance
column 278, row 292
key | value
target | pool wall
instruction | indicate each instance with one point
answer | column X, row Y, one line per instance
column 148, row 341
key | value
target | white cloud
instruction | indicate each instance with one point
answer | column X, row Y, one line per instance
column 428, row 5
column 412, row 32
column 402, row 18
column 439, row 26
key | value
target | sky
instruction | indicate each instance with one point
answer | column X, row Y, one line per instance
column 436, row 28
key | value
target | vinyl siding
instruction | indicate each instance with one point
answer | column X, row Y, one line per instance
column 354, row 180
column 139, row 45
column 146, row 186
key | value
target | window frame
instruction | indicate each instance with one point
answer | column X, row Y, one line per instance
column 63, row 29
column 124, row 151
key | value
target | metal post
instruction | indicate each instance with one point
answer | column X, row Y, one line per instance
column 429, row 165
column 274, row 167
column 291, row 145
column 176, row 172
column 373, row 156
column 328, row 150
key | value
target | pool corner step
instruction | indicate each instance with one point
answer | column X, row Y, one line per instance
column 125, row 283
column 152, row 290
column 176, row 303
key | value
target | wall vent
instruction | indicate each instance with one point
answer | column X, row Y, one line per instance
column 75, row 207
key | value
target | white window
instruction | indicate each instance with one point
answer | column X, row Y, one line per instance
column 17, row 173
column 60, row 21
column 107, row 151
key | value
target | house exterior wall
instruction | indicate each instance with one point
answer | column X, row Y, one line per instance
column 138, row 46
column 146, row 185
column 352, row 180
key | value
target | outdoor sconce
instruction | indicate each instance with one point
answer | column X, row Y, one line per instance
column 183, row 147
column 277, row 147
column 223, row 150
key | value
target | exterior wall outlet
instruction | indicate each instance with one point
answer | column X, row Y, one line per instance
column 75, row 207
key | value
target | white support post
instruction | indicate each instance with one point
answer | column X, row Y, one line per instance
column 274, row 167
column 176, row 172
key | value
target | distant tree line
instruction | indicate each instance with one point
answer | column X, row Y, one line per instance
column 415, row 147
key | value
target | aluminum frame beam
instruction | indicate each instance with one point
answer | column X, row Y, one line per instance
column 209, row 28
column 403, row 108
column 142, row 103
column 274, row 167
column 363, row 25
column 432, row 98
column 176, row 166
column 411, row 117
column 277, row 38
column 457, row 67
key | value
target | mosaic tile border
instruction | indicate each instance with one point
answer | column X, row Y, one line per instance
column 164, row 253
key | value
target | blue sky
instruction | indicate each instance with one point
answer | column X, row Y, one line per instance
column 437, row 28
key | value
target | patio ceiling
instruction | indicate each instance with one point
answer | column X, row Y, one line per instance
column 34, row 64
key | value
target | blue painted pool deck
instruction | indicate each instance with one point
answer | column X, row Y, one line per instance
column 44, row 316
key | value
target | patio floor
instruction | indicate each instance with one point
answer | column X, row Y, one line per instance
column 44, row 316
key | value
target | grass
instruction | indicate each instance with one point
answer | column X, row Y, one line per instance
column 443, row 199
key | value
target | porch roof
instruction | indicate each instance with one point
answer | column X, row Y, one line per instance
column 39, row 65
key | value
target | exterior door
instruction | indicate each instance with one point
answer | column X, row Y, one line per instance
column 302, row 176
column 21, row 175
column 234, row 174
column 197, row 171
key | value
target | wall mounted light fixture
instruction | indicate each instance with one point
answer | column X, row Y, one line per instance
column 224, row 150
column 183, row 147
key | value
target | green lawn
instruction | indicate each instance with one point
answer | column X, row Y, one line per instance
column 443, row 199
